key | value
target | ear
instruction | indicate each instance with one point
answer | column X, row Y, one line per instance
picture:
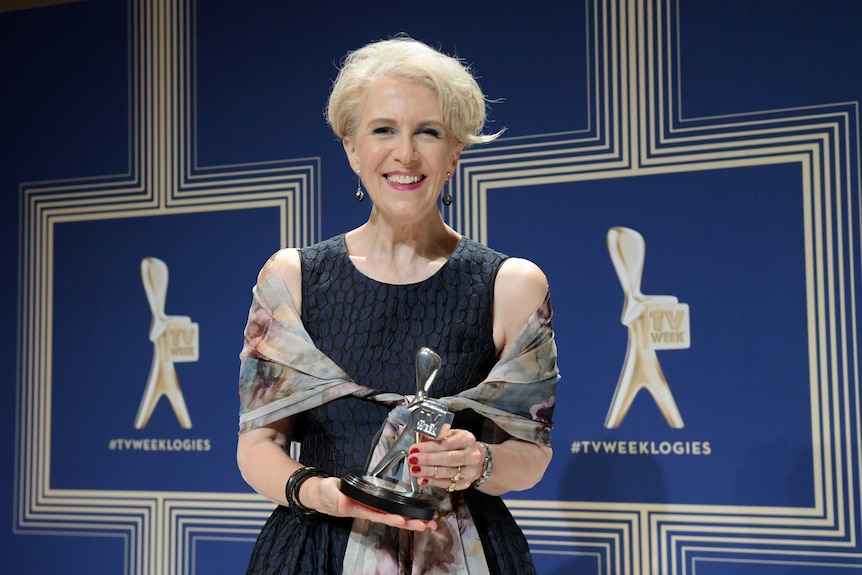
column 457, row 156
column 352, row 155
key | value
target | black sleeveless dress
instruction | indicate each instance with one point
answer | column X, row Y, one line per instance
column 372, row 331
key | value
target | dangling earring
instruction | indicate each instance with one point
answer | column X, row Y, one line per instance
column 360, row 195
column 447, row 197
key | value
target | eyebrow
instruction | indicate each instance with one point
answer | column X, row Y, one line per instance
column 384, row 120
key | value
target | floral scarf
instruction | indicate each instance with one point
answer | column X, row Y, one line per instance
column 282, row 374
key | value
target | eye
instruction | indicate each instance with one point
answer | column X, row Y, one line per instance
column 382, row 130
column 429, row 131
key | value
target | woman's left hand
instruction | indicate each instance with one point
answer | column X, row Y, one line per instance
column 452, row 463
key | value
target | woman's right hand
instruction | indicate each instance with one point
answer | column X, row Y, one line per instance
column 324, row 495
column 265, row 465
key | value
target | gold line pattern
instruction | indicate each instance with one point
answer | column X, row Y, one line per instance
column 159, row 529
column 636, row 129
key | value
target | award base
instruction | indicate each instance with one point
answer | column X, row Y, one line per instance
column 388, row 496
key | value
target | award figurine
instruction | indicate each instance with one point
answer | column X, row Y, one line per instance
column 428, row 417
column 654, row 322
column 175, row 339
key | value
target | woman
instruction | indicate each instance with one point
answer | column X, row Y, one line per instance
column 334, row 329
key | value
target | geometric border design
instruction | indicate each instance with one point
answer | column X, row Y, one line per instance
column 159, row 529
column 636, row 129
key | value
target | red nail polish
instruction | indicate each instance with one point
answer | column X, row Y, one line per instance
column 415, row 469
column 413, row 460
column 414, row 449
column 424, row 481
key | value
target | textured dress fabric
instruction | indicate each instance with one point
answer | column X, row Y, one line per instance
column 373, row 330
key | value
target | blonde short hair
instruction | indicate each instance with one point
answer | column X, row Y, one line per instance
column 461, row 100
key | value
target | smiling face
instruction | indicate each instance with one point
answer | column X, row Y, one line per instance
column 402, row 148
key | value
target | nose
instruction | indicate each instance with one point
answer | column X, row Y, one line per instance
column 405, row 149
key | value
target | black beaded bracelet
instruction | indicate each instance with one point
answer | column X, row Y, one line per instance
column 291, row 490
column 487, row 466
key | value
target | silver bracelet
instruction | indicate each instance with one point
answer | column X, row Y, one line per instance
column 487, row 467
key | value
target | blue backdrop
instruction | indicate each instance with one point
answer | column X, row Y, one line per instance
column 724, row 134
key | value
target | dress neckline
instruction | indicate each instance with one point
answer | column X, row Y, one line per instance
column 342, row 245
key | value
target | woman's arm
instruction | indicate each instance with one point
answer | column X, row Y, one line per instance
column 519, row 289
column 263, row 461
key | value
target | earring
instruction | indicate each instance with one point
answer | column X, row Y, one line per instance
column 447, row 197
column 360, row 195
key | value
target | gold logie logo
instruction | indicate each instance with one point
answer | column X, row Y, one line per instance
column 653, row 322
column 175, row 339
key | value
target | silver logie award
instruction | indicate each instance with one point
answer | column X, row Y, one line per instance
column 428, row 417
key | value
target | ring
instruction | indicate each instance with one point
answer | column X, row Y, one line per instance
column 435, row 471
column 455, row 478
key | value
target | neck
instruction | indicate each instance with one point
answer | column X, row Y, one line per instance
column 403, row 255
